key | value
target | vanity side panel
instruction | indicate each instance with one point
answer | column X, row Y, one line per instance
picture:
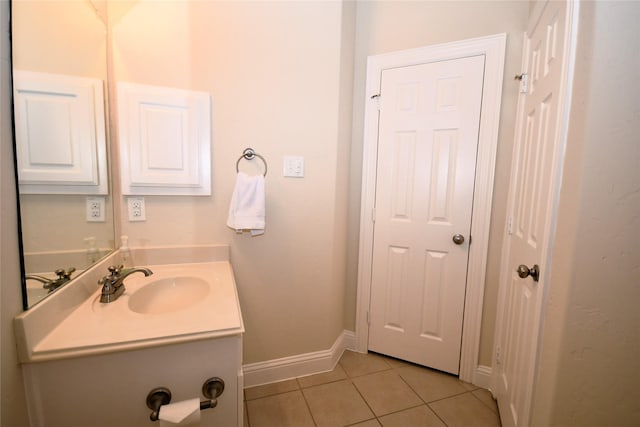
column 111, row 389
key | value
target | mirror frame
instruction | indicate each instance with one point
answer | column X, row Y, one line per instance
column 23, row 274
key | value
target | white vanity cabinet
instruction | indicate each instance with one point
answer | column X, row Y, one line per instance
column 88, row 363
column 110, row 390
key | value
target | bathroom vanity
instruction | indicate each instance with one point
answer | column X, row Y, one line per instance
column 92, row 363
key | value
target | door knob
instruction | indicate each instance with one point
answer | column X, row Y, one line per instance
column 524, row 272
column 458, row 239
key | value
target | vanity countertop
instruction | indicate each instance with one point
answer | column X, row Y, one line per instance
column 90, row 327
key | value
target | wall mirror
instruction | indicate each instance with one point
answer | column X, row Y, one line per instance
column 59, row 53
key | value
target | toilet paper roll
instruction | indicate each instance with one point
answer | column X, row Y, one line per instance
column 183, row 413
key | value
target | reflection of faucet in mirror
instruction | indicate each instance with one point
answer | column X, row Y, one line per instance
column 52, row 284
column 113, row 284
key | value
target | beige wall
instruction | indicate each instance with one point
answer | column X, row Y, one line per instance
column 279, row 74
column 396, row 25
column 13, row 410
column 589, row 366
column 70, row 38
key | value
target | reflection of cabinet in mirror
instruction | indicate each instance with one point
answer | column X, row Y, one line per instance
column 60, row 134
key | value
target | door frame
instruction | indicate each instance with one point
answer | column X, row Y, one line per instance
column 493, row 48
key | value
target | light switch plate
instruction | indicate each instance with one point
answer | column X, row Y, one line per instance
column 294, row 166
column 136, row 209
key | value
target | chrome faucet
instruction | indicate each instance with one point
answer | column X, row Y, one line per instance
column 113, row 284
column 52, row 284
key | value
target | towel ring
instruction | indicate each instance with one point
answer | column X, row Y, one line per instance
column 249, row 154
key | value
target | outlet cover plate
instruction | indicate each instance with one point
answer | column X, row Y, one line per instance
column 136, row 209
column 96, row 209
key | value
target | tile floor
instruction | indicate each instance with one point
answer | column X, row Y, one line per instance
column 369, row 390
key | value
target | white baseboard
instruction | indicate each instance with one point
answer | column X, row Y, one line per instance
column 482, row 377
column 299, row 365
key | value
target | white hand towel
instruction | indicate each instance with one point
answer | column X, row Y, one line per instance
column 246, row 211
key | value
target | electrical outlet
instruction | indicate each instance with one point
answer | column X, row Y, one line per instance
column 95, row 209
column 136, row 208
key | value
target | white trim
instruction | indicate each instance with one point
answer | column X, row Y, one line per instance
column 493, row 47
column 299, row 365
column 482, row 377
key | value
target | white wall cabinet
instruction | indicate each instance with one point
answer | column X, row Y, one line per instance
column 60, row 134
column 165, row 140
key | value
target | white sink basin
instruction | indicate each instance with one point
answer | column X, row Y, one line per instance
column 169, row 294
column 177, row 303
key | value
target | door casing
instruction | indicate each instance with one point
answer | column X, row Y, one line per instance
column 493, row 48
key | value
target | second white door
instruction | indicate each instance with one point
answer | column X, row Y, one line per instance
column 427, row 145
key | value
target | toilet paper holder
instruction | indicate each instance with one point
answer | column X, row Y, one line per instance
column 211, row 389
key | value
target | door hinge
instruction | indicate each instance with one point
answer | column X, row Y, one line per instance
column 510, row 225
column 524, row 82
column 376, row 98
column 498, row 355
column 373, row 215
column 368, row 319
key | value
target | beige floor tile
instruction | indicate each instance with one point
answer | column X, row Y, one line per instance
column 465, row 410
column 326, row 377
column 336, row 404
column 468, row 386
column 397, row 363
column 386, row 392
column 420, row 416
column 431, row 385
column 282, row 410
column 368, row 423
column 356, row 364
column 270, row 389
column 486, row 398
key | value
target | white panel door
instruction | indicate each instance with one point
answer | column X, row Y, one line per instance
column 531, row 198
column 428, row 137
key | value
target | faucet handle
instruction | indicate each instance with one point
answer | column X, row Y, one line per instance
column 65, row 274
column 114, row 273
column 115, row 270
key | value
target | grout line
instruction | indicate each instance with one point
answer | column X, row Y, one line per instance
column 308, row 408
column 364, row 421
column 424, row 401
column 482, row 401
column 402, row 410
column 436, row 414
column 365, row 401
column 274, row 393
column 448, row 397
